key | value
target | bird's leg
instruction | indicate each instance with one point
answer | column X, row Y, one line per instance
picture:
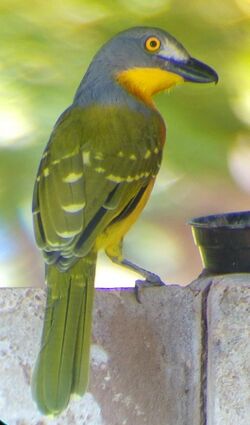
column 151, row 279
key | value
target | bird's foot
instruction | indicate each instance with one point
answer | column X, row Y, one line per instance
column 151, row 280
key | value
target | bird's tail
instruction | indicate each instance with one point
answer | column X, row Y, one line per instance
column 62, row 366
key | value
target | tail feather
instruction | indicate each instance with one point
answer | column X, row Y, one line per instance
column 63, row 362
column 82, row 352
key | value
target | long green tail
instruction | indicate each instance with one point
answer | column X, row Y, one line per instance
column 62, row 366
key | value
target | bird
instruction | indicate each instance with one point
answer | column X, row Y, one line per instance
column 94, row 179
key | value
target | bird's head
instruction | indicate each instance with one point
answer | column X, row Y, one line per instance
column 147, row 60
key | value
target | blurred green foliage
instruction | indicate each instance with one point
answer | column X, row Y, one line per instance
column 47, row 45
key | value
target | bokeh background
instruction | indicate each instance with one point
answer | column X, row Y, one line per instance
column 46, row 47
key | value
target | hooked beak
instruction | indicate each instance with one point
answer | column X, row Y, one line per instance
column 192, row 70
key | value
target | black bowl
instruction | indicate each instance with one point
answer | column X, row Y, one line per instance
column 223, row 241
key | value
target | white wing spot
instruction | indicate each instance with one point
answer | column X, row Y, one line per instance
column 72, row 208
column 100, row 169
column 72, row 177
column 46, row 172
column 147, row 154
column 99, row 156
column 56, row 161
column 132, row 156
column 156, row 150
column 68, row 234
column 130, row 179
column 86, row 157
column 121, row 154
column 116, row 179
column 69, row 155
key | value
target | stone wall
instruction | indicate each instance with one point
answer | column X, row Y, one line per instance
column 181, row 357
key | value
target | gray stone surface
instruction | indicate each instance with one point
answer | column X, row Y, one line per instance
column 228, row 309
column 154, row 350
column 149, row 361
column 21, row 314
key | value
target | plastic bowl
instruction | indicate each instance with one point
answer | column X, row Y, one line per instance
column 223, row 241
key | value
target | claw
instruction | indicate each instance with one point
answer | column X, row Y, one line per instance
column 154, row 279
column 139, row 284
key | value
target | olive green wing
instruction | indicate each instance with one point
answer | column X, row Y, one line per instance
column 96, row 162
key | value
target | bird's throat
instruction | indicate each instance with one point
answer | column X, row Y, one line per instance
column 145, row 82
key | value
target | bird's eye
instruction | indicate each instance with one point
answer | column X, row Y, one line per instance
column 152, row 44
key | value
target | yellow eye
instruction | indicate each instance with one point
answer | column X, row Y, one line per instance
column 152, row 44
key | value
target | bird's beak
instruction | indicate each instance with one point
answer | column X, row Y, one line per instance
column 192, row 70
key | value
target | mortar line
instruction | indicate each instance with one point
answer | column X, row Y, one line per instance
column 204, row 354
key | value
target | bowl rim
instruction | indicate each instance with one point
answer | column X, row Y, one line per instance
column 204, row 222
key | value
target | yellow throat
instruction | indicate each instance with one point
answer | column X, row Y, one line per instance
column 145, row 82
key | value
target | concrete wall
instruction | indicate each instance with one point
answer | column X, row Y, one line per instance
column 182, row 357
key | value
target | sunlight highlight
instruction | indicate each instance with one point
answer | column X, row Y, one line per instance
column 239, row 160
column 13, row 127
column 110, row 275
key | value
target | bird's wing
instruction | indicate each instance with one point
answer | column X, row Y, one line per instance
column 97, row 161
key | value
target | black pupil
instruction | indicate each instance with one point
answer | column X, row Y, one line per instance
column 153, row 43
